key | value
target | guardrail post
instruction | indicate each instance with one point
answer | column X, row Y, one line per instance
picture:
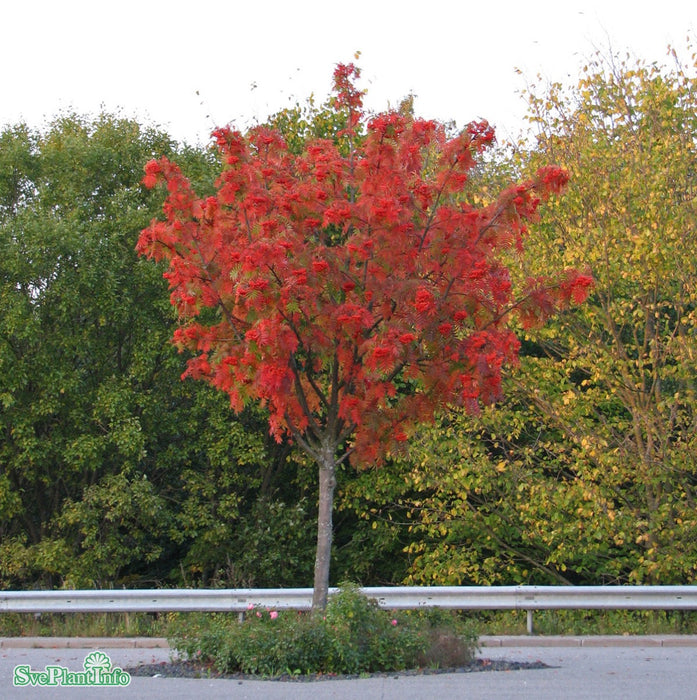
column 531, row 628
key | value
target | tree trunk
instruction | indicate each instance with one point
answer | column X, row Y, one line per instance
column 327, row 482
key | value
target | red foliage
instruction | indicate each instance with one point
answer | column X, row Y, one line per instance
column 356, row 294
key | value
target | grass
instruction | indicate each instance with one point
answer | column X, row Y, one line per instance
column 547, row 622
column 588, row 622
column 85, row 624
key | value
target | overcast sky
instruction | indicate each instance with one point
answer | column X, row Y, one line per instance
column 189, row 66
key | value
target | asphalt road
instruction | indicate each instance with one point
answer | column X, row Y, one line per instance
column 633, row 668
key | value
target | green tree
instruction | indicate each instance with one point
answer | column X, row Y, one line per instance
column 84, row 351
column 81, row 335
column 113, row 470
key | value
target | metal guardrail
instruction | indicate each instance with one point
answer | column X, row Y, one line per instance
column 240, row 600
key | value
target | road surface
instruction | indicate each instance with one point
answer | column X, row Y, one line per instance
column 608, row 668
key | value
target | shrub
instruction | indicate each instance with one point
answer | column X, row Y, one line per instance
column 353, row 636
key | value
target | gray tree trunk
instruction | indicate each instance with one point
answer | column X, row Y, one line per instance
column 327, row 483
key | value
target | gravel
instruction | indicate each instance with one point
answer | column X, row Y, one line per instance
column 191, row 669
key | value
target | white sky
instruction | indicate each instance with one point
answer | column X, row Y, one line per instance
column 246, row 59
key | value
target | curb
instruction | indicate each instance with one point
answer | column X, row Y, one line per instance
column 83, row 643
column 677, row 640
column 484, row 642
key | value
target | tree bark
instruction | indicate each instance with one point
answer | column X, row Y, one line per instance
column 327, row 483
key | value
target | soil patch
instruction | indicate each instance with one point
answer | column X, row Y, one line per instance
column 191, row 669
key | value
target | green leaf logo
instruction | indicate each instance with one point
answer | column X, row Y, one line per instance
column 97, row 659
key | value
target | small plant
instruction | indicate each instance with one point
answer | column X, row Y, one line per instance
column 451, row 639
column 354, row 636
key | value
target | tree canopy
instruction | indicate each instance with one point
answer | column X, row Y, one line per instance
column 347, row 288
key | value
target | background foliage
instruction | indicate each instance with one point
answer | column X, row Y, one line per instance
column 115, row 472
column 585, row 472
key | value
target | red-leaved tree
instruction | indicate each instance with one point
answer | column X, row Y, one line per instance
column 349, row 289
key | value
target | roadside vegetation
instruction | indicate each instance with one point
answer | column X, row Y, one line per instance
column 116, row 473
column 171, row 625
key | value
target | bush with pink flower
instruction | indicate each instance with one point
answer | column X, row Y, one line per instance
column 353, row 636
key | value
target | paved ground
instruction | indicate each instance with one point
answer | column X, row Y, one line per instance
column 581, row 667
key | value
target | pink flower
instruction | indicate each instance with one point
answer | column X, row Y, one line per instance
column 394, row 623
column 273, row 614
